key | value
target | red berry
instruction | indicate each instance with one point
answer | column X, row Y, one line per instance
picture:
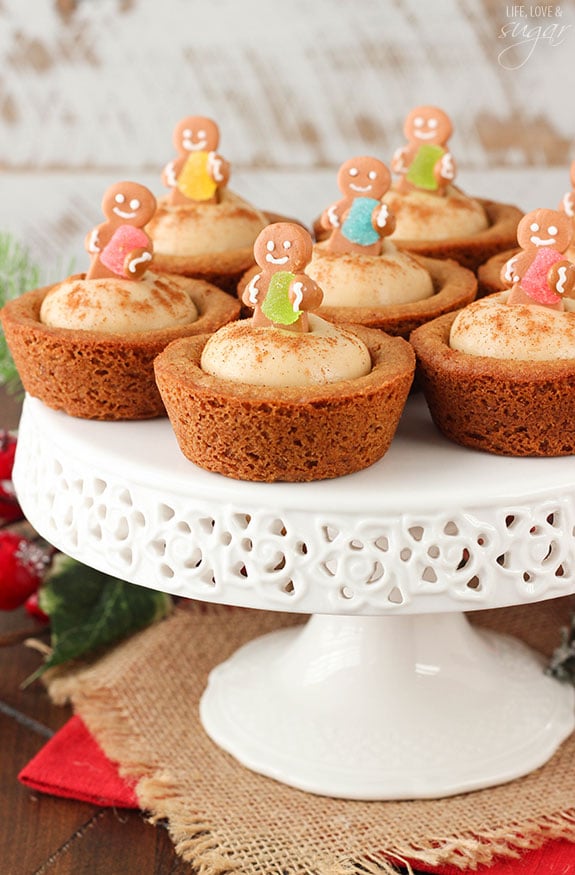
column 23, row 565
column 32, row 605
column 7, row 452
column 9, row 508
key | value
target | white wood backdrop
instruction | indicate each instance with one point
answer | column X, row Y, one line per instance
column 293, row 83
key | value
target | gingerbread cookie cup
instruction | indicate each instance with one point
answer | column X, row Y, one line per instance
column 453, row 287
column 293, row 434
column 473, row 250
column 96, row 375
column 469, row 251
column 506, row 407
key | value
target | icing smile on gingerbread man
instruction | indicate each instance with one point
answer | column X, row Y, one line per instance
column 425, row 128
column 202, row 140
column 552, row 230
column 277, row 259
column 134, row 205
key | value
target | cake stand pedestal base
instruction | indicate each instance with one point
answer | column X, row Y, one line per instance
column 388, row 707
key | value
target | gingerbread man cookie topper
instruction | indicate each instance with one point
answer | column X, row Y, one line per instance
column 540, row 274
column 425, row 162
column 281, row 294
column 359, row 220
column 119, row 247
column 199, row 173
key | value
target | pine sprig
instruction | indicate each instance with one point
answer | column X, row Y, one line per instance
column 18, row 274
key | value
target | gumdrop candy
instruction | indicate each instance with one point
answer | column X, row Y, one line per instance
column 124, row 240
column 534, row 280
column 277, row 305
column 357, row 226
column 421, row 172
column 195, row 182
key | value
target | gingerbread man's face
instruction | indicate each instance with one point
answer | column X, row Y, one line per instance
column 428, row 124
column 284, row 246
column 128, row 203
column 363, row 177
column 541, row 228
column 196, row 133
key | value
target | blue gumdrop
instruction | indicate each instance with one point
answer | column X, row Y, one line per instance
column 357, row 226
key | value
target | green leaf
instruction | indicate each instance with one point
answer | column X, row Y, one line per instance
column 18, row 274
column 90, row 610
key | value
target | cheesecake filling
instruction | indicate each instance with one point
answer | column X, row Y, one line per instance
column 422, row 215
column 356, row 280
column 271, row 356
column 116, row 306
column 522, row 332
column 205, row 228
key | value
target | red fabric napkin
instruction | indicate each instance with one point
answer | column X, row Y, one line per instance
column 73, row 765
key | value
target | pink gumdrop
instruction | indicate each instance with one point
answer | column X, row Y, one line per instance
column 124, row 240
column 534, row 281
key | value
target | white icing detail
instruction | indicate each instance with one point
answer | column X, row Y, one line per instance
column 122, row 214
column 93, row 242
column 422, row 135
column 332, row 216
column 170, row 174
column 253, row 289
column 135, row 204
column 270, row 246
column 119, row 198
column 560, row 286
column 543, row 241
column 189, row 144
column 397, row 162
column 272, row 260
column 360, row 187
column 215, row 166
column 298, row 295
column 432, row 123
column 534, row 226
column 447, row 168
column 134, row 262
column 382, row 216
column 552, row 230
column 568, row 204
column 509, row 274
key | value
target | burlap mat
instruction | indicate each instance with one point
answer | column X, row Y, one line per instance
column 141, row 703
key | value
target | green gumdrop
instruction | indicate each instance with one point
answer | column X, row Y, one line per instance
column 420, row 172
column 277, row 305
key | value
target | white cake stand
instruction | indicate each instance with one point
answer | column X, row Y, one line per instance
column 387, row 692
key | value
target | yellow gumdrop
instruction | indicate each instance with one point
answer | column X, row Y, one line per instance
column 194, row 180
